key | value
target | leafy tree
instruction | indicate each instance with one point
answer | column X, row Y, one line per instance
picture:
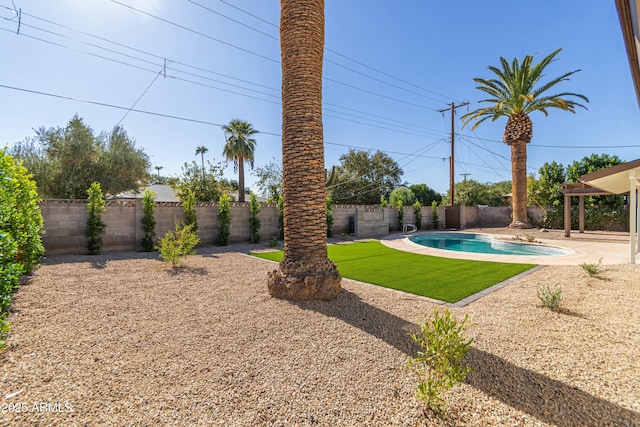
column 224, row 220
column 148, row 221
column 123, row 165
column 400, row 207
column 417, row 213
column 594, row 163
column 473, row 193
column 329, row 211
column 188, row 199
column 205, row 188
column 424, row 194
column 270, row 180
column 363, row 179
column 515, row 94
column 20, row 228
column 66, row 161
column 202, row 150
column 95, row 225
column 281, row 217
column 403, row 195
column 254, row 219
column 545, row 191
column 239, row 147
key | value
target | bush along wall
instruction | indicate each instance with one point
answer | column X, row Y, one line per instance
column 20, row 227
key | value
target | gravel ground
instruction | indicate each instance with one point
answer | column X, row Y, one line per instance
column 120, row 339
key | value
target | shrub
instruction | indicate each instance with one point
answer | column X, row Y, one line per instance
column 400, row 208
column 177, row 245
column 20, row 228
column 273, row 242
column 551, row 297
column 188, row 199
column 592, row 269
column 148, row 221
column 224, row 220
column 383, row 202
column 20, row 216
column 254, row 221
column 95, row 225
column 417, row 213
column 281, row 216
column 434, row 215
column 329, row 211
column 439, row 364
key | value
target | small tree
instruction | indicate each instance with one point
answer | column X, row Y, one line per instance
column 439, row 364
column 329, row 211
column 254, row 220
column 177, row 245
column 434, row 215
column 281, row 216
column 188, row 199
column 400, row 208
column 20, row 227
column 224, row 220
column 417, row 213
column 95, row 225
column 148, row 221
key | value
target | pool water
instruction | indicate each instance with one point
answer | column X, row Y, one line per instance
column 481, row 243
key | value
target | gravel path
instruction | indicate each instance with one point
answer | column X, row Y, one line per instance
column 120, row 340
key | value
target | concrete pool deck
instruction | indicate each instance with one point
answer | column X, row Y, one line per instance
column 611, row 247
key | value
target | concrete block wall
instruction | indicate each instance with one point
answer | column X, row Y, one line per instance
column 372, row 221
column 65, row 222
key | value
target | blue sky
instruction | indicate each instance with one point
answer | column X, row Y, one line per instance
column 389, row 68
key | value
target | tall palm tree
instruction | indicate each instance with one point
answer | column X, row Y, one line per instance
column 305, row 272
column 515, row 94
column 158, row 168
column 202, row 150
column 239, row 148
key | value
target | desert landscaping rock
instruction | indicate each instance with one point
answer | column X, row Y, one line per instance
column 120, row 339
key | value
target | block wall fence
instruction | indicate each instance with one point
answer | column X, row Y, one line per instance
column 65, row 222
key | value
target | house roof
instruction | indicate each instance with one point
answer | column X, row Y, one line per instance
column 629, row 18
column 164, row 193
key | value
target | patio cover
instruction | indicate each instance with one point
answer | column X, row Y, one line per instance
column 617, row 180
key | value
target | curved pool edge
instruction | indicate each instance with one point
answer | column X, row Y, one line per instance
column 583, row 251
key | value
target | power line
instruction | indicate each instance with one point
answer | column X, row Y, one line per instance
column 191, row 30
column 333, row 52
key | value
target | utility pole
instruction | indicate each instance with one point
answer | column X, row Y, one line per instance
column 465, row 176
column 451, row 159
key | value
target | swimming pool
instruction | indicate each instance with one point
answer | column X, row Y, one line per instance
column 485, row 244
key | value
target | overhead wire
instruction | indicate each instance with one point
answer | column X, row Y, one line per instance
column 155, row 64
column 344, row 57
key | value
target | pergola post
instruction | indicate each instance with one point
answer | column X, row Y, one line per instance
column 634, row 218
column 581, row 215
column 567, row 215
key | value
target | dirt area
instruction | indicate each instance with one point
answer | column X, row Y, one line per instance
column 119, row 339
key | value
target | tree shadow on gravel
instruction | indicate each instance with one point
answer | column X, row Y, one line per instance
column 548, row 400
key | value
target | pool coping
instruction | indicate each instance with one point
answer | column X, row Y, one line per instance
column 583, row 251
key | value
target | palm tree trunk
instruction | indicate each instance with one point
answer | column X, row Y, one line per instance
column 305, row 273
column 202, row 156
column 519, row 184
column 240, row 179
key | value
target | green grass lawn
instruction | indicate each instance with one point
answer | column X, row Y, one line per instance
column 443, row 279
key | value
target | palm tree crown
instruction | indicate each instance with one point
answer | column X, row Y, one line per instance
column 202, row 150
column 516, row 93
column 239, row 147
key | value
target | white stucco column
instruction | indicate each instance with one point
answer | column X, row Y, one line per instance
column 634, row 218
